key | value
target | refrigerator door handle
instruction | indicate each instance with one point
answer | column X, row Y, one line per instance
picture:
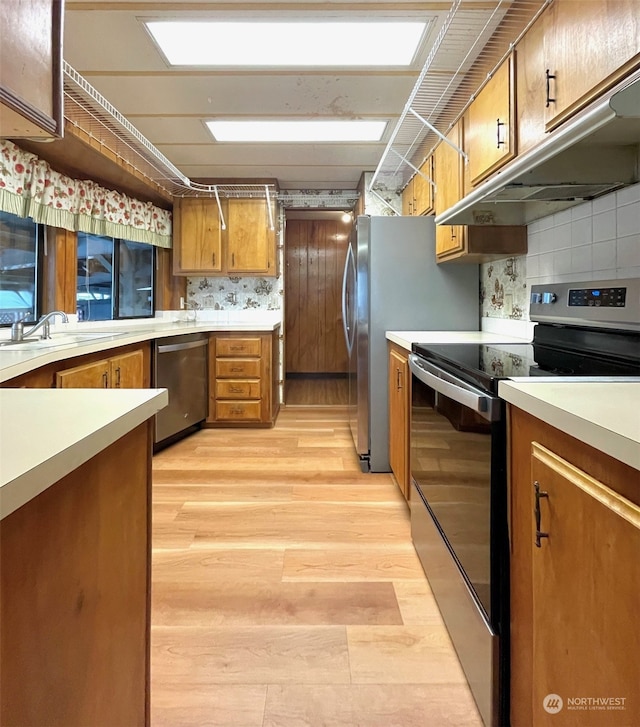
column 348, row 333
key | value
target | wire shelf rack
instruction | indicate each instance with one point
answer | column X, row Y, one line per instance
column 471, row 44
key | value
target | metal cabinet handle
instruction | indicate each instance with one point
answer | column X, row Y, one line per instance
column 237, row 368
column 233, row 259
column 398, row 379
column 538, row 495
column 499, row 142
column 213, row 258
column 105, row 380
column 236, row 389
column 549, row 76
column 118, row 377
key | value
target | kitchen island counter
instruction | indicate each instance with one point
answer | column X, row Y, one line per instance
column 602, row 414
column 47, row 433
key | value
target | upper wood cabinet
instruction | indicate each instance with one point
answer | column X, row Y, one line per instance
column 197, row 236
column 31, row 91
column 251, row 241
column 448, row 176
column 530, row 87
column 588, row 46
column 490, row 138
column 417, row 196
column 202, row 247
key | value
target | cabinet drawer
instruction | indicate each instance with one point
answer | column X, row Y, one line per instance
column 237, row 368
column 238, row 347
column 233, row 389
column 238, row 411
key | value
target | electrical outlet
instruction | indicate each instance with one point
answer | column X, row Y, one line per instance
column 181, row 303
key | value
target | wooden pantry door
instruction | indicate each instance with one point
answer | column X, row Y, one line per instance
column 315, row 251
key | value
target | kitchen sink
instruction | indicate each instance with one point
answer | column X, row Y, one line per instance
column 57, row 339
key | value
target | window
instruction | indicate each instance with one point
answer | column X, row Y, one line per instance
column 20, row 268
column 115, row 278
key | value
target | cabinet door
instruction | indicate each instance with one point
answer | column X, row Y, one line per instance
column 588, row 46
column 127, row 371
column 530, row 87
column 199, row 236
column 407, row 199
column 88, row 376
column 30, row 69
column 447, row 169
column 586, row 581
column 423, row 189
column 489, row 133
column 398, row 418
column 251, row 243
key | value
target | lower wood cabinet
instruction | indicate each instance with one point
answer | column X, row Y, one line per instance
column 399, row 411
column 243, row 379
column 75, row 574
column 575, row 580
column 125, row 371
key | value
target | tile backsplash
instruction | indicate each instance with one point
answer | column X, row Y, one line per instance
column 596, row 240
column 235, row 293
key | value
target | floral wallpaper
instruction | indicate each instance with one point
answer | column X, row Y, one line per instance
column 503, row 289
column 30, row 188
column 235, row 293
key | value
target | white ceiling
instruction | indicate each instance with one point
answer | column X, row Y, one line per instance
column 105, row 41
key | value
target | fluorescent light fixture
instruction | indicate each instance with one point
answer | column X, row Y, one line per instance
column 292, row 43
column 296, row 131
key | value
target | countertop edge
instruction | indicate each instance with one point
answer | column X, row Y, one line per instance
column 405, row 339
column 589, row 431
column 36, row 359
column 32, row 482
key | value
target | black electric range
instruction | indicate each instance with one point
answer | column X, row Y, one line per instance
column 458, row 459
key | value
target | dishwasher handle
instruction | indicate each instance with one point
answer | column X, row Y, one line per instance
column 167, row 348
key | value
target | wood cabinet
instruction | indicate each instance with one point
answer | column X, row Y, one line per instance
column 31, row 90
column 243, row 379
column 574, row 598
column 125, row 371
column 202, row 246
column 448, row 176
column 588, row 47
column 417, row 196
column 490, row 138
column 75, row 574
column 399, row 410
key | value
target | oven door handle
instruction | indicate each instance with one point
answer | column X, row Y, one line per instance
column 486, row 406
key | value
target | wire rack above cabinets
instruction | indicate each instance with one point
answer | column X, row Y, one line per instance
column 472, row 42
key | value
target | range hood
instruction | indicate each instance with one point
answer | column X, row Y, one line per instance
column 596, row 152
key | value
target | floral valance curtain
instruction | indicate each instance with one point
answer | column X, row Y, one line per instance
column 30, row 188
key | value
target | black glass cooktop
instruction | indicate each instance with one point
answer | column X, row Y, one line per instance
column 484, row 365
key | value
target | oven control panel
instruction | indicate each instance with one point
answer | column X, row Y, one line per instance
column 611, row 297
column 602, row 303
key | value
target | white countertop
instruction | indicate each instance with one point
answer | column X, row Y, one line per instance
column 47, row 433
column 15, row 360
column 604, row 415
column 406, row 338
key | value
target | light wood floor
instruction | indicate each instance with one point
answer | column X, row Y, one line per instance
column 322, row 391
column 286, row 590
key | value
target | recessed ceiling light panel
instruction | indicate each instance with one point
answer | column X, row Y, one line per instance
column 296, row 131
column 293, row 43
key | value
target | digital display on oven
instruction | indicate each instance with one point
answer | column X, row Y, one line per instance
column 598, row 297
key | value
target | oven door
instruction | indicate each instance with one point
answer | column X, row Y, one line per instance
column 458, row 522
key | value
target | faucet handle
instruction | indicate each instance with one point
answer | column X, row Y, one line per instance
column 17, row 331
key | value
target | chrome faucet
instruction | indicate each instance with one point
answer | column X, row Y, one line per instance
column 18, row 333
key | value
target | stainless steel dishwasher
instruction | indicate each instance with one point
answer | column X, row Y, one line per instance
column 180, row 366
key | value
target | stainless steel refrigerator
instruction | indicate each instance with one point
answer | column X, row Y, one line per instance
column 392, row 282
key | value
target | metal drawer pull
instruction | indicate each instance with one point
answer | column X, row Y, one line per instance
column 539, row 493
column 398, row 379
column 549, row 76
column 236, row 389
column 118, row 377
